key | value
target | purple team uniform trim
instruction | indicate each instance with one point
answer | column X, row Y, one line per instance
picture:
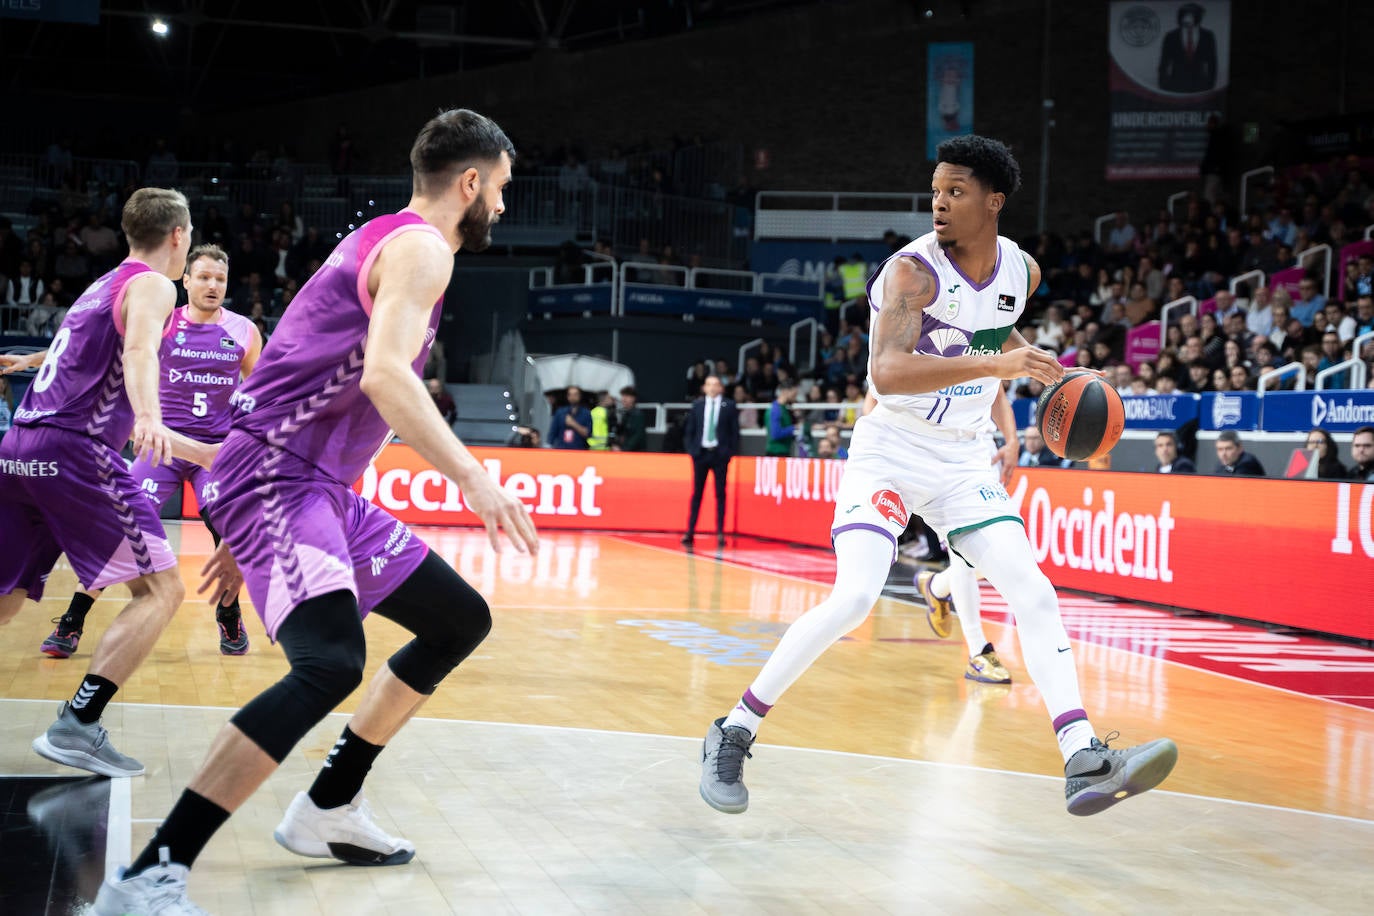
column 835, row 532
column 986, row 283
column 901, row 254
column 754, row 704
column 1068, row 718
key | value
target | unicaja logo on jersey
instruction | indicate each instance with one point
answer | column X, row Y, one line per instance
column 890, row 506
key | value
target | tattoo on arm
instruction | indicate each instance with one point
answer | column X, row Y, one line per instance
column 910, row 288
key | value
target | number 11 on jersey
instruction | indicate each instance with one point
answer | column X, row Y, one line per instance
column 942, row 409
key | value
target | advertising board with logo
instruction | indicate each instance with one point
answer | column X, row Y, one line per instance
column 1297, row 553
column 1340, row 411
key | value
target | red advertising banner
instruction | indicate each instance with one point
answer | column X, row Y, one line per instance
column 1299, row 553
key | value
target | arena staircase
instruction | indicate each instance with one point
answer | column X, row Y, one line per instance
column 486, row 413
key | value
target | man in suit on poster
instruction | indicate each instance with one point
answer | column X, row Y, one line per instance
column 711, row 435
column 1188, row 57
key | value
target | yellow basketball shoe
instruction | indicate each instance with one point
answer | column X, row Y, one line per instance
column 987, row 668
column 941, row 610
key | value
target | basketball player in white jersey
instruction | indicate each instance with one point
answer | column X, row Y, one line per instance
column 943, row 335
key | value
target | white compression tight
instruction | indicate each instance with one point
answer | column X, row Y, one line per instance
column 1003, row 555
column 862, row 559
column 960, row 582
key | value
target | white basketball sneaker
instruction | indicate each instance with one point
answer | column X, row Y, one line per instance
column 158, row 891
column 346, row 833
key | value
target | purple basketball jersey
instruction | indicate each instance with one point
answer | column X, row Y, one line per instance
column 201, row 365
column 80, row 386
column 304, row 395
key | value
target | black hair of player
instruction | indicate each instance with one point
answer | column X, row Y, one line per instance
column 990, row 160
column 453, row 141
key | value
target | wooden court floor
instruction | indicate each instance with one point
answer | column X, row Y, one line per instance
column 556, row 770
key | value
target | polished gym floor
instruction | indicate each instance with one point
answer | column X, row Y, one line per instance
column 556, row 771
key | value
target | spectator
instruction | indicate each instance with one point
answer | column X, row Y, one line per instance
column 748, row 416
column 1053, row 331
column 603, row 423
column 72, row 267
column 1309, row 302
column 1339, row 321
column 1037, row 454
column 572, row 423
column 1362, row 454
column 837, row 447
column 1239, row 377
column 442, row 399
column 782, row 429
column 101, row 244
column 161, row 170
column 1364, row 314
column 1121, row 240
column 1329, row 465
column 1139, row 307
column 25, row 290
column 632, row 429
column 46, row 317
column 825, row 448
column 288, row 220
column 696, row 377
column 1233, row 460
column 1168, row 458
column 524, row 437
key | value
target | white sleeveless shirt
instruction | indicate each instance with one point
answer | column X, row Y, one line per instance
column 964, row 319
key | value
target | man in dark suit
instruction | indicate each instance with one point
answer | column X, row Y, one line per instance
column 1188, row 57
column 1234, row 461
column 1170, row 461
column 711, row 435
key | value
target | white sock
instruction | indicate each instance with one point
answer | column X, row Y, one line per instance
column 1002, row 551
column 939, row 583
column 744, row 717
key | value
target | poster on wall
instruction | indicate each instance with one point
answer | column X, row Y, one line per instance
column 1169, row 66
column 949, row 92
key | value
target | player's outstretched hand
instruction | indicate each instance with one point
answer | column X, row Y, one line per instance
column 152, row 442
column 221, row 573
column 18, row 362
column 498, row 509
column 1030, row 361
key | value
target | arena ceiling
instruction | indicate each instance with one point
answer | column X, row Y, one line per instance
column 218, row 55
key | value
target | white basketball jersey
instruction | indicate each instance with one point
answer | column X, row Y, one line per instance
column 965, row 319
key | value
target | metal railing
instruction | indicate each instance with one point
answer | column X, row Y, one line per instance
column 1248, row 275
column 1274, row 374
column 1188, row 302
column 1326, row 264
column 1099, row 223
column 1245, row 186
column 746, row 347
column 661, row 409
column 1177, row 195
column 1355, row 365
column 805, row 323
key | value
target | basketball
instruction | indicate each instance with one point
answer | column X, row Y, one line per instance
column 1080, row 416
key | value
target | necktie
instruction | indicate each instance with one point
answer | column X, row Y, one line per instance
column 1188, row 45
column 711, row 422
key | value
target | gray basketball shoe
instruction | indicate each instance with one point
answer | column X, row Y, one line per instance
column 87, row 747
column 1099, row 777
column 722, row 767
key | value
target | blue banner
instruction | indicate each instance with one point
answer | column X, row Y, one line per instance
column 1160, row 411
column 715, row 303
column 1335, row 411
column 1229, row 410
column 1023, row 409
column 81, row 12
column 565, row 300
column 949, row 92
column 811, row 260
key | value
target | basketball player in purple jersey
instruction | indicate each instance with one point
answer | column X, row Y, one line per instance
column 202, row 361
column 64, row 487
column 943, row 337
column 339, row 374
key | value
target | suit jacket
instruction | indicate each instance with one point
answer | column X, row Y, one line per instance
column 1181, row 465
column 727, row 429
column 1247, row 465
column 1180, row 73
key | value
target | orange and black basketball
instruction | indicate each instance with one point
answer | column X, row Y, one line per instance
column 1080, row 416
